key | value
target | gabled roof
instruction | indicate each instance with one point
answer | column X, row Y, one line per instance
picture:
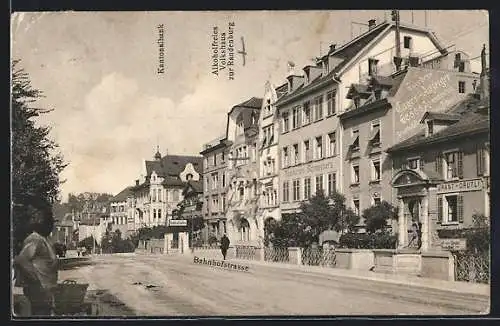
column 173, row 165
column 440, row 116
column 122, row 195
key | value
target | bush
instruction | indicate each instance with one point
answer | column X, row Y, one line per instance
column 122, row 246
column 88, row 243
column 378, row 240
column 478, row 239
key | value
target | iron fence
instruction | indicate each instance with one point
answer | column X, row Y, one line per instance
column 245, row 252
column 472, row 267
column 319, row 257
column 279, row 255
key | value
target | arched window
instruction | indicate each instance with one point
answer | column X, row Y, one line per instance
column 244, row 230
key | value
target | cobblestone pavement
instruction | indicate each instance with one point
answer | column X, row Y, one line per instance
column 162, row 285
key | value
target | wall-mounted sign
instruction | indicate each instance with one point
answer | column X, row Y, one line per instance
column 460, row 186
column 454, row 244
column 177, row 223
column 309, row 168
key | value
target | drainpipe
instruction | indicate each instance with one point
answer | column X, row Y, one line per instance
column 340, row 93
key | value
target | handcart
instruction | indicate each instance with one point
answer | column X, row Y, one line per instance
column 69, row 299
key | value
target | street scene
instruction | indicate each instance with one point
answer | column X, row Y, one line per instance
column 250, row 164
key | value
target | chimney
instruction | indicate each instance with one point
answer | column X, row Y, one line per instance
column 484, row 91
column 332, row 48
column 371, row 24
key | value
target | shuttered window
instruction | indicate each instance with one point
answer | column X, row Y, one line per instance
column 480, row 160
column 460, row 164
column 460, row 208
column 440, row 209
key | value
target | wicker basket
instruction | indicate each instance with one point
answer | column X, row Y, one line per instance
column 69, row 296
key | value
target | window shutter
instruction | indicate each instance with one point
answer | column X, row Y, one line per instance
column 440, row 210
column 421, row 164
column 439, row 164
column 460, row 164
column 460, row 208
column 480, row 161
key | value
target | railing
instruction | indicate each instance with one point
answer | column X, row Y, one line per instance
column 471, row 267
column 245, row 252
column 279, row 255
column 319, row 257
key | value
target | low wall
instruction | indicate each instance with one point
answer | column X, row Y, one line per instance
column 438, row 265
column 359, row 259
column 384, row 260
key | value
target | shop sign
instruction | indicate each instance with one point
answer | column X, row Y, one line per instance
column 460, row 186
column 177, row 223
column 454, row 244
column 309, row 168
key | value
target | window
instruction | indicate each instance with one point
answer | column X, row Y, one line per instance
column 175, row 195
column 241, row 190
column 372, row 67
column 376, row 200
column 330, row 100
column 296, row 190
column 296, row 158
column 450, row 209
column 286, row 192
column 286, row 122
column 332, row 183
column 356, row 206
column 375, row 133
column 332, row 145
column 407, row 42
column 458, row 57
column 295, row 117
column 253, row 152
column 413, row 163
column 355, row 140
column 154, row 195
column 319, row 147
column 154, row 214
column 215, row 181
column 430, row 127
column 376, row 170
column 453, row 165
column 268, row 107
column 319, row 184
column 307, row 151
column 223, row 180
column 482, row 161
column 268, row 136
column 159, row 213
column 378, row 94
column 223, row 203
column 307, row 188
column 461, row 87
column 306, row 116
column 222, row 158
column 355, row 174
column 285, row 157
column 240, row 128
column 318, row 108
column 215, row 159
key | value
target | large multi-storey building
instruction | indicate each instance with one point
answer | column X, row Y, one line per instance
column 121, row 215
column 269, row 156
column 243, row 193
column 215, row 184
column 383, row 112
column 159, row 189
column 310, row 155
column 442, row 173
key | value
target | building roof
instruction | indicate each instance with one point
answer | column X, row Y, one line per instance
column 440, row 116
column 350, row 50
column 122, row 195
column 173, row 165
column 471, row 121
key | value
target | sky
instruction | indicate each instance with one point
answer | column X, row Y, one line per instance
column 98, row 71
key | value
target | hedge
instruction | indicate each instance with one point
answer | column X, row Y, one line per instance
column 378, row 240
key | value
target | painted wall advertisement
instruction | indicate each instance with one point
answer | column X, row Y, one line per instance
column 422, row 91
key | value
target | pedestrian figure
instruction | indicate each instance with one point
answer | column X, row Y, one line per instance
column 414, row 235
column 224, row 245
column 419, row 235
column 37, row 263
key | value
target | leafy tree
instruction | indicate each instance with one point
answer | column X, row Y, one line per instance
column 36, row 161
column 376, row 217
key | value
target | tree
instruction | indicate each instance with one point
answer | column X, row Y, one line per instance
column 376, row 216
column 36, row 161
column 318, row 214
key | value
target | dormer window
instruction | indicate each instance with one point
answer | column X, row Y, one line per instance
column 407, row 42
column 378, row 94
column 414, row 163
column 375, row 133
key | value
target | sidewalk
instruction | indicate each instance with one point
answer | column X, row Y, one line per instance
column 435, row 284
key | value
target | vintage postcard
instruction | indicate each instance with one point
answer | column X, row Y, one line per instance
column 250, row 163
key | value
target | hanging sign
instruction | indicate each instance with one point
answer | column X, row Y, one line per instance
column 177, row 223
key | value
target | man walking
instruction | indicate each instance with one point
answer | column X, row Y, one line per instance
column 224, row 245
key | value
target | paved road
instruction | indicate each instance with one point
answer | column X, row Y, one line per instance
column 158, row 285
